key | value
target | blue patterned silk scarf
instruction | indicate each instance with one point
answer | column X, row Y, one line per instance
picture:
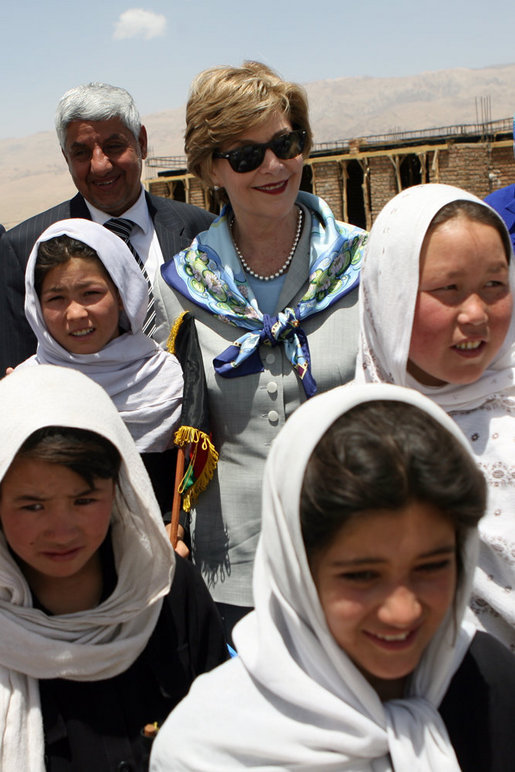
column 210, row 274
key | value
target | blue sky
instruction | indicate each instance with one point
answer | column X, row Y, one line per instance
column 155, row 48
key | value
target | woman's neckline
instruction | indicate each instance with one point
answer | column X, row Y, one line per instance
column 285, row 265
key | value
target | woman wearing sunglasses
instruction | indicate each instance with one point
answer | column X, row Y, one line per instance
column 273, row 287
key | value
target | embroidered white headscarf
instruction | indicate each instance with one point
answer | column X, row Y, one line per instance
column 484, row 410
column 87, row 645
column 144, row 382
column 292, row 699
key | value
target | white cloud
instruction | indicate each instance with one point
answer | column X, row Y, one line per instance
column 138, row 23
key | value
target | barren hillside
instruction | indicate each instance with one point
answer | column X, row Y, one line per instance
column 33, row 174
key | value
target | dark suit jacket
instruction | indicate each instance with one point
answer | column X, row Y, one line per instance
column 176, row 225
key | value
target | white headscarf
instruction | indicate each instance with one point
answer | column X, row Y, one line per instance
column 144, row 382
column 292, row 699
column 388, row 294
column 87, row 645
column 484, row 410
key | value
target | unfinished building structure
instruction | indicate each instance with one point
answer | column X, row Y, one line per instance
column 357, row 177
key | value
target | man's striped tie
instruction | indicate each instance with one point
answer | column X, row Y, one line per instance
column 123, row 229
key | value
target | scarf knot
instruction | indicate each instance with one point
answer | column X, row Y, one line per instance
column 210, row 275
column 281, row 327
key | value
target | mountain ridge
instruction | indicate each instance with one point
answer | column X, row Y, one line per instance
column 34, row 176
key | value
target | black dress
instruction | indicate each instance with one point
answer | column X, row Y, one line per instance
column 98, row 726
column 479, row 708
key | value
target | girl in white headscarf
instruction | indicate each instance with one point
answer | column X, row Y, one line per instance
column 72, row 330
column 357, row 656
column 102, row 627
column 86, row 300
column 436, row 315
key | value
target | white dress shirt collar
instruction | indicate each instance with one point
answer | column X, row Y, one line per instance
column 138, row 213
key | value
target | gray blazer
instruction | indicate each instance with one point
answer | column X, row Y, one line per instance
column 176, row 225
column 246, row 414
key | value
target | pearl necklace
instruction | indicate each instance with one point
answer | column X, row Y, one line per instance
column 285, row 265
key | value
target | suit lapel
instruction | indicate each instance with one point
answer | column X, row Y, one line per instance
column 169, row 227
column 295, row 282
column 78, row 208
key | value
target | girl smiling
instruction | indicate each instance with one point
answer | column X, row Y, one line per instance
column 359, row 654
column 86, row 301
column 436, row 315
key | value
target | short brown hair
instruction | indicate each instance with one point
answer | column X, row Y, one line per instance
column 226, row 101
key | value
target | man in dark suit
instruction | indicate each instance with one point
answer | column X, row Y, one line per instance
column 104, row 144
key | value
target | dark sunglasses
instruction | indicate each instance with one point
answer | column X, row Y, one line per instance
column 249, row 157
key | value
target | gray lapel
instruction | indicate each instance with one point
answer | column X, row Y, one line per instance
column 298, row 272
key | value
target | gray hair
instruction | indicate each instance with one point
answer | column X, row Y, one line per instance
column 96, row 102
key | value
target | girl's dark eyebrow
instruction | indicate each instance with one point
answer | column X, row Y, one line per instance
column 34, row 497
column 60, row 288
column 444, row 550
column 29, row 497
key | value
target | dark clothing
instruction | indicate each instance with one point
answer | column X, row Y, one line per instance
column 176, row 225
column 97, row 726
column 230, row 616
column 503, row 201
column 479, row 708
column 161, row 469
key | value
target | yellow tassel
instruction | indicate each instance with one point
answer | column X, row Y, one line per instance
column 170, row 343
column 187, row 435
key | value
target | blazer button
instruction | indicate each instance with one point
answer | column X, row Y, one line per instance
column 271, row 387
column 124, row 766
column 273, row 416
column 270, row 359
